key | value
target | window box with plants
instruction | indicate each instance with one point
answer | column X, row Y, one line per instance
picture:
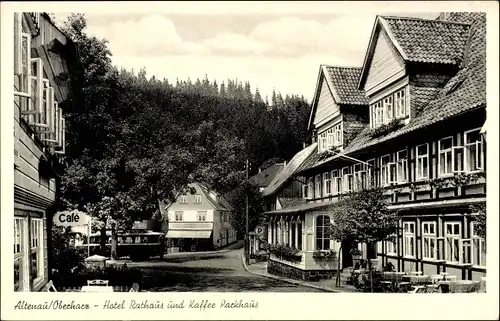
column 328, row 255
column 286, row 253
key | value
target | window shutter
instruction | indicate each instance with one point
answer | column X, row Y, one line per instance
column 63, row 138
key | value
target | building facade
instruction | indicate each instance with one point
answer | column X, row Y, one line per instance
column 41, row 58
column 199, row 220
column 409, row 120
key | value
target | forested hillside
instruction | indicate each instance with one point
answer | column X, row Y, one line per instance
column 133, row 139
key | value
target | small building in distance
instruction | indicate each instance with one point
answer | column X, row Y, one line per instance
column 199, row 220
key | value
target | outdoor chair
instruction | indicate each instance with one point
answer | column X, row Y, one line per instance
column 49, row 287
column 134, row 288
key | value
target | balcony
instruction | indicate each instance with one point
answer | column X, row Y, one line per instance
column 202, row 226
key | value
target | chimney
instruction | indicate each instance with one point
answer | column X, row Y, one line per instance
column 303, row 145
column 443, row 16
column 284, row 163
column 260, row 169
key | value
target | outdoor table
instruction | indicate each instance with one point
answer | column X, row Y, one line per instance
column 417, row 279
column 97, row 288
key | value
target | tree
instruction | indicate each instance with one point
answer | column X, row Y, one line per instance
column 255, row 205
column 480, row 226
column 363, row 217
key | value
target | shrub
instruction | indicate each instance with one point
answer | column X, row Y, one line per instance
column 64, row 257
column 118, row 275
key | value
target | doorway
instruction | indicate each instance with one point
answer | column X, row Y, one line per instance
column 346, row 254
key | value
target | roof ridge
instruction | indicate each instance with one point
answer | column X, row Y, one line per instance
column 343, row 67
column 426, row 20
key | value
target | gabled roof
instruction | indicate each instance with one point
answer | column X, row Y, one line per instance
column 289, row 170
column 219, row 203
column 288, row 202
column 420, row 40
column 265, row 177
column 342, row 83
column 464, row 92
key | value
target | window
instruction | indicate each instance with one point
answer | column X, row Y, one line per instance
column 36, row 248
column 317, row 187
column 478, row 248
column 378, row 113
column 474, row 154
column 338, row 134
column 409, row 238
column 202, row 216
column 387, row 170
column 183, row 199
column 452, row 241
column 347, row 180
column 371, row 169
column 299, row 238
column 330, row 141
column 360, row 176
column 388, row 109
column 402, row 166
column 391, row 245
column 336, row 181
column 429, row 240
column 423, row 161
column 322, row 232
column 445, row 151
column 307, row 190
column 327, row 190
column 18, row 257
column 400, row 102
column 22, row 57
column 322, row 142
column 178, row 215
column 197, row 199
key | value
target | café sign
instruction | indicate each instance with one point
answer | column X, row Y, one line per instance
column 71, row 218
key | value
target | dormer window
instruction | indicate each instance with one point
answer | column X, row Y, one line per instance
column 182, row 199
column 332, row 137
column 393, row 106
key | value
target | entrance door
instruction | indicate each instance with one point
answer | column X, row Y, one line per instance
column 346, row 254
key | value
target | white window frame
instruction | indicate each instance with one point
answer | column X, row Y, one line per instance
column 202, row 216
column 379, row 113
column 327, row 191
column 385, row 170
column 19, row 62
column 179, row 216
column 317, row 186
column 182, row 199
column 322, row 142
column 408, row 237
column 330, row 140
column 481, row 244
column 400, row 103
column 448, row 155
column 371, row 179
column 431, row 236
column 19, row 257
column 37, row 248
column 453, row 237
column 388, row 104
column 338, row 134
column 479, row 153
column 197, row 199
column 347, row 179
column 391, row 246
column 420, row 175
column 324, row 232
column 402, row 166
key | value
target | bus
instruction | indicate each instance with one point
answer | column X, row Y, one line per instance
column 137, row 245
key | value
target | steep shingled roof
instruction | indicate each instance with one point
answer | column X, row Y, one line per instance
column 289, row 170
column 345, row 81
column 265, row 177
column 464, row 92
column 431, row 41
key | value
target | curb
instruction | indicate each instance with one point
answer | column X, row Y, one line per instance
column 286, row 279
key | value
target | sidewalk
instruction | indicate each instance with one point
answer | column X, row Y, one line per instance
column 260, row 268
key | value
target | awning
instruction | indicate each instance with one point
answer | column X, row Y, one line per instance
column 302, row 208
column 176, row 234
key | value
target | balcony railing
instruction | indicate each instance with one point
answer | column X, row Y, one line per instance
column 190, row 225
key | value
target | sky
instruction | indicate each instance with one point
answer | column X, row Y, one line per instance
column 272, row 51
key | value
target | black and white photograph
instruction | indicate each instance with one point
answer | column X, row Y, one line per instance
column 260, row 152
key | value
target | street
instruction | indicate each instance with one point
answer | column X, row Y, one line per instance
column 219, row 272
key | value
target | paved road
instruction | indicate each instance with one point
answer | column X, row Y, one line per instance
column 220, row 272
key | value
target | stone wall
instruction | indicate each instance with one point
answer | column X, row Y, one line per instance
column 281, row 269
